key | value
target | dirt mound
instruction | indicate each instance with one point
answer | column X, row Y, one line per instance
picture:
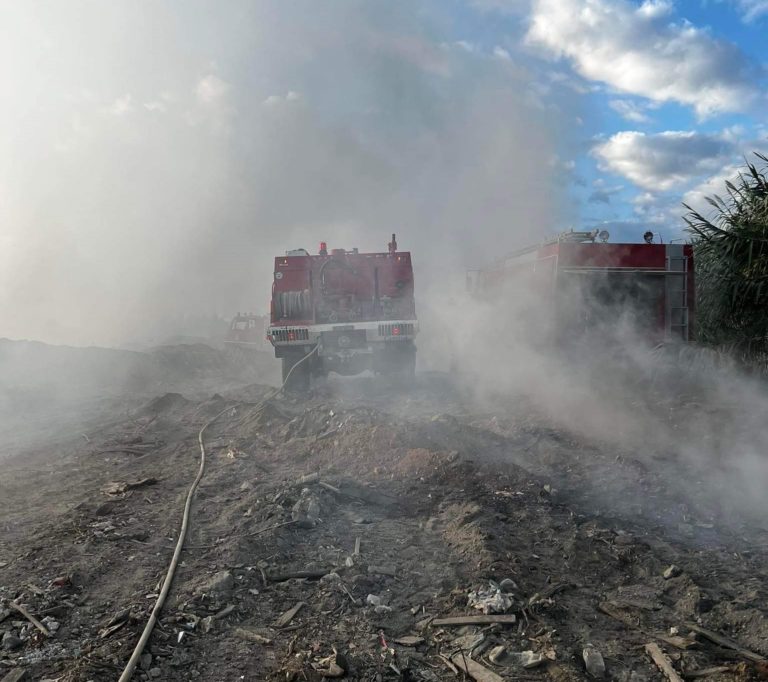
column 339, row 537
column 170, row 402
column 46, row 389
column 59, row 371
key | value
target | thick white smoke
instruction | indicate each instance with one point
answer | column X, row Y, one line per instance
column 156, row 158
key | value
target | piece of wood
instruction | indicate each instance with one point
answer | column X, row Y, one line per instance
column 326, row 434
column 382, row 570
column 15, row 675
column 224, row 612
column 306, row 479
column 610, row 609
column 106, row 632
column 662, row 662
column 357, row 546
column 330, row 487
column 509, row 619
column 726, row 643
column 289, row 615
column 251, row 636
column 409, row 640
column 706, row 672
column 615, row 613
column 121, row 487
column 677, row 641
column 352, row 597
column 23, row 611
column 476, row 671
column 312, row 575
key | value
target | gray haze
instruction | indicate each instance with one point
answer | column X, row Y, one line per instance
column 154, row 157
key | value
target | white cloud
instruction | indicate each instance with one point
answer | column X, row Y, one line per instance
column 466, row 46
column 638, row 50
column 500, row 53
column 752, row 9
column 277, row 100
column 663, row 161
column 696, row 197
column 211, row 89
column 630, row 110
column 643, row 202
column 655, row 10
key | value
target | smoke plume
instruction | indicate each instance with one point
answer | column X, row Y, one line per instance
column 156, row 158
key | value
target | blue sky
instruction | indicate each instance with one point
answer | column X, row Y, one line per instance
column 674, row 95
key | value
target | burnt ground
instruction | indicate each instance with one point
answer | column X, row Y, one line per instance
column 580, row 542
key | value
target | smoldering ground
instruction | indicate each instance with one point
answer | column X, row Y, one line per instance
column 683, row 418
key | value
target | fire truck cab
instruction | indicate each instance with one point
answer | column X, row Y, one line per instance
column 344, row 311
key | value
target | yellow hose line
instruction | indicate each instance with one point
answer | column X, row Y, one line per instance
column 136, row 655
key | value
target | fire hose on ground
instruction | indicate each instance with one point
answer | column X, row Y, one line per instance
column 166, row 587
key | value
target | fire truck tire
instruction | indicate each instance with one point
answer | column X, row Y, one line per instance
column 298, row 381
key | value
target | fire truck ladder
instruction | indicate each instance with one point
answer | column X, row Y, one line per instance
column 677, row 292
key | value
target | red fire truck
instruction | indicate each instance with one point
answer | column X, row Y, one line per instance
column 246, row 330
column 352, row 311
column 582, row 284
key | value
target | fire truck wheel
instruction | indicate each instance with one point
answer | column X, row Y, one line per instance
column 298, row 381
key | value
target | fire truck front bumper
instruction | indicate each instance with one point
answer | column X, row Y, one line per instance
column 342, row 341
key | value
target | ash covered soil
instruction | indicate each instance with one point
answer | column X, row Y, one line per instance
column 333, row 535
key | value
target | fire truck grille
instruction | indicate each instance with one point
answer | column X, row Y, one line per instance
column 395, row 329
column 344, row 339
column 284, row 335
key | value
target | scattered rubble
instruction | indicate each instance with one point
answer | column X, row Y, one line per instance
column 490, row 599
column 352, row 539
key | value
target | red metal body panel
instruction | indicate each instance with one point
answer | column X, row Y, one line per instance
column 655, row 280
column 610, row 255
column 342, row 287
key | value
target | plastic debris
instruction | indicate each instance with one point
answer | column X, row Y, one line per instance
column 593, row 661
column 490, row 600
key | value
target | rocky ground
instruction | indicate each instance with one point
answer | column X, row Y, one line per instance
column 370, row 531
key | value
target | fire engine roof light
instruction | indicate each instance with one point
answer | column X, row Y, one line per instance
column 604, row 236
